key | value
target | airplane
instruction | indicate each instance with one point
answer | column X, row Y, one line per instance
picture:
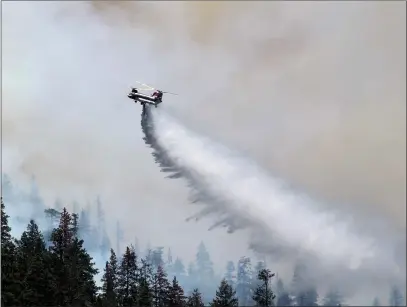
column 154, row 99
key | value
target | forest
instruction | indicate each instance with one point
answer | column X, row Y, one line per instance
column 54, row 265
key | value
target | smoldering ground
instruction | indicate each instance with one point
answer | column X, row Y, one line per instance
column 314, row 92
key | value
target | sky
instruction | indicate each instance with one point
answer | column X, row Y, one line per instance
column 314, row 92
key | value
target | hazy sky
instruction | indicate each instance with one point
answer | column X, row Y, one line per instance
column 313, row 91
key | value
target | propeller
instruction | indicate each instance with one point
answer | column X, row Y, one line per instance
column 150, row 88
column 169, row 93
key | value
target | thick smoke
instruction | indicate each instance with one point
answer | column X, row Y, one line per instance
column 312, row 91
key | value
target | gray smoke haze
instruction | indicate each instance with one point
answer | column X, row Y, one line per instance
column 314, row 92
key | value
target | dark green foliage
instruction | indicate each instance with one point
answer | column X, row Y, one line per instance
column 72, row 266
column 33, row 266
column 145, row 284
column 263, row 295
column 145, row 296
column 225, row 296
column 75, row 224
column 128, row 278
column 160, row 287
column 195, row 299
column 54, row 268
column 176, row 297
column 9, row 272
column 32, row 275
column 110, row 281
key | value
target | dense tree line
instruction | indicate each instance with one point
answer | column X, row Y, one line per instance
column 64, row 274
column 54, row 267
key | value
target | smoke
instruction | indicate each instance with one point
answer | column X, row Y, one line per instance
column 314, row 92
column 241, row 194
column 322, row 83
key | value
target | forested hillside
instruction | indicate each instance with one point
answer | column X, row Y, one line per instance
column 54, row 265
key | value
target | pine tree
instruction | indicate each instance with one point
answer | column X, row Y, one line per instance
column 105, row 244
column 160, row 288
column 311, row 295
column 75, row 224
column 204, row 264
column 84, row 225
column 244, row 281
column 225, row 296
column 303, row 290
column 195, row 299
column 263, row 294
column 283, row 297
column 100, row 214
column 178, row 270
column 332, row 298
column 53, row 216
column 128, row 278
column 308, row 297
column 110, row 281
column 33, row 265
column 145, row 298
column 146, row 272
column 157, row 257
column 176, row 297
column 113, row 268
column 192, row 275
column 108, row 295
column 260, row 265
column 9, row 280
column 230, row 273
column 169, row 262
column 376, row 302
column 396, row 298
column 81, row 272
column 72, row 266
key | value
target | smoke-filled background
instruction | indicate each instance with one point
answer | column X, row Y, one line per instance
column 313, row 92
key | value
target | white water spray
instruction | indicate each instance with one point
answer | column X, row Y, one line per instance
column 265, row 200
